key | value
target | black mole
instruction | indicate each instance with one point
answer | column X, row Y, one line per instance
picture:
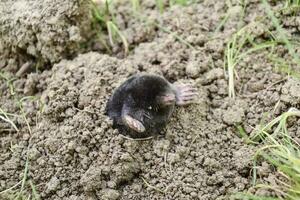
column 143, row 104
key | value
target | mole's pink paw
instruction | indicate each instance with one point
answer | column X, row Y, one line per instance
column 133, row 124
column 185, row 94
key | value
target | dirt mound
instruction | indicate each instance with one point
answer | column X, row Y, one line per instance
column 73, row 152
column 41, row 31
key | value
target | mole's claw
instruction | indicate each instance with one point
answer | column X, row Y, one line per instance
column 185, row 102
column 133, row 124
column 190, row 94
column 167, row 99
column 186, row 88
column 147, row 115
column 185, row 94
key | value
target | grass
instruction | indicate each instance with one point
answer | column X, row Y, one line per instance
column 4, row 116
column 242, row 134
column 281, row 64
column 251, row 197
column 292, row 6
column 281, row 32
column 113, row 33
column 105, row 18
column 135, row 5
column 284, row 66
column 281, row 151
column 154, row 188
column 235, row 49
column 25, row 182
column 161, row 7
column 292, row 3
column 8, row 82
column 178, row 2
column 106, row 21
column 179, row 38
column 20, row 194
column 281, row 122
column 235, row 52
column 223, row 22
column 228, row 14
column 24, row 178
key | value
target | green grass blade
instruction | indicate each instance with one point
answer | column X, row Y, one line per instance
column 114, row 31
column 281, row 31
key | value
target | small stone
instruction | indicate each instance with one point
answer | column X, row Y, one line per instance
column 233, row 115
column 110, row 194
column 137, row 187
column 53, row 184
column 34, row 154
column 173, row 158
column 192, row 69
column 213, row 74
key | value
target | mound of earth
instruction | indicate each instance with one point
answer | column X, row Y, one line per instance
column 37, row 32
column 74, row 153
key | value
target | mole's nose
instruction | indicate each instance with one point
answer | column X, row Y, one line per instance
column 168, row 99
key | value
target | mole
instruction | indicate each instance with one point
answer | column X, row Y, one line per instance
column 143, row 104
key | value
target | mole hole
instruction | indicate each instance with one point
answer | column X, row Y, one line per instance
column 140, row 67
column 156, row 62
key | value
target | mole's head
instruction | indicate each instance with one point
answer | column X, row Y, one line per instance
column 153, row 102
column 154, row 92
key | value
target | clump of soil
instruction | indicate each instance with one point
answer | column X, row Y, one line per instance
column 41, row 31
column 74, row 153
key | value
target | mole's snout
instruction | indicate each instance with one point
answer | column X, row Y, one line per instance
column 167, row 99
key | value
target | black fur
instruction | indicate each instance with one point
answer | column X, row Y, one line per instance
column 139, row 94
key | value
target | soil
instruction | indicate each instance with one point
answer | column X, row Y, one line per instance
column 42, row 33
column 74, row 153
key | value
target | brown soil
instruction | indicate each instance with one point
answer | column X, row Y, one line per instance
column 75, row 154
column 40, row 33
